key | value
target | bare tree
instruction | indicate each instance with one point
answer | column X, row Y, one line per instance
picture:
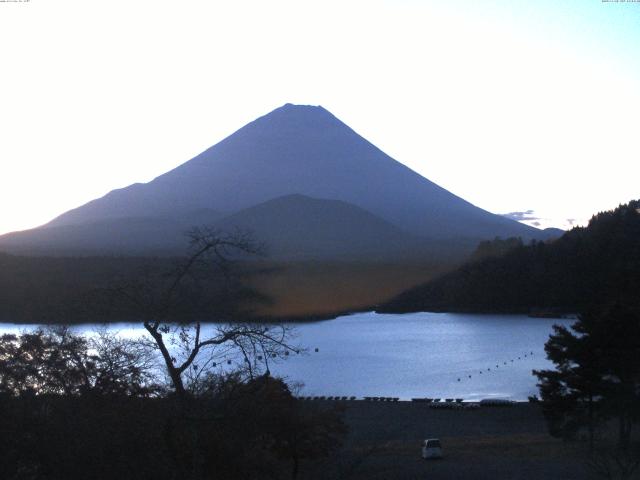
column 204, row 285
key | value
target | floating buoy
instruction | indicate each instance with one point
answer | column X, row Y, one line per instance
column 458, row 379
column 317, row 350
column 470, row 375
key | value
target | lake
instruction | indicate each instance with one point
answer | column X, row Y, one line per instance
column 444, row 355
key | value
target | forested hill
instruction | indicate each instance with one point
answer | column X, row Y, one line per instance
column 594, row 264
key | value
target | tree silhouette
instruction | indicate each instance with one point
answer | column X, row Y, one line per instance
column 58, row 362
column 597, row 373
column 170, row 306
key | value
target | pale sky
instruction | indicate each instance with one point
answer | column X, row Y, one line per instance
column 512, row 105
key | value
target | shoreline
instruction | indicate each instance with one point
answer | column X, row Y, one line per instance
column 316, row 318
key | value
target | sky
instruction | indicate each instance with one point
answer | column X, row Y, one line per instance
column 527, row 108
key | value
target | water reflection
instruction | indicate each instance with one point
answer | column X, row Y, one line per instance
column 441, row 355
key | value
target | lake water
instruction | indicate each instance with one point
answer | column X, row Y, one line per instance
column 442, row 355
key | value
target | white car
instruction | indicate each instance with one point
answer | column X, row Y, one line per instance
column 431, row 448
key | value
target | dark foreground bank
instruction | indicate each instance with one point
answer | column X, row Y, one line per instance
column 256, row 433
column 491, row 442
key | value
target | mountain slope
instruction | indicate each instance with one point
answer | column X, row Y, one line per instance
column 151, row 235
column 596, row 264
column 292, row 227
column 306, row 150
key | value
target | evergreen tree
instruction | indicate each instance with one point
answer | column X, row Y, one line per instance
column 597, row 375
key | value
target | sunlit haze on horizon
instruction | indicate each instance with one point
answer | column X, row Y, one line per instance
column 520, row 107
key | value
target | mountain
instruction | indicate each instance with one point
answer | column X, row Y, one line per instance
column 292, row 150
column 593, row 265
column 550, row 233
column 300, row 227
